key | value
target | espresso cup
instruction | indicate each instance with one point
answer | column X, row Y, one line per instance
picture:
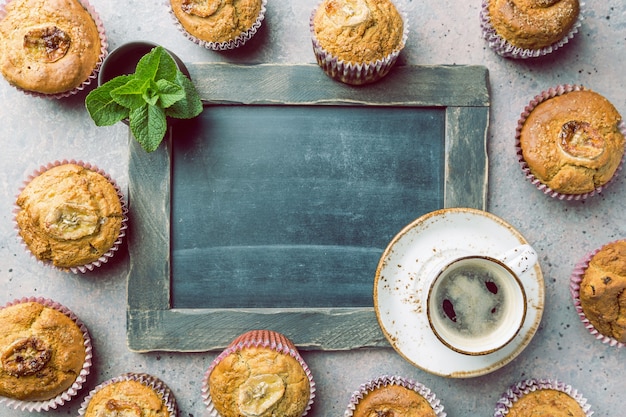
column 476, row 304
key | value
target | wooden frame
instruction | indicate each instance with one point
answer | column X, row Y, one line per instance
column 152, row 323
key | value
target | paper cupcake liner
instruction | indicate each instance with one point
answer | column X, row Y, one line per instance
column 150, row 381
column 94, row 74
column 546, row 95
column 235, row 43
column 503, row 48
column 575, row 281
column 116, row 245
column 518, row 390
column 384, row 381
column 258, row 338
column 72, row 391
column 356, row 73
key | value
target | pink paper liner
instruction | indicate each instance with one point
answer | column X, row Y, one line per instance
column 518, row 390
column 503, row 48
column 150, row 381
column 258, row 338
column 116, row 245
column 546, row 95
column 80, row 379
column 356, row 73
column 575, row 281
column 94, row 74
column 237, row 42
column 385, row 380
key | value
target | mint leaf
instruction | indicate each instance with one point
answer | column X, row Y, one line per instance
column 167, row 68
column 148, row 125
column 100, row 105
column 169, row 93
column 156, row 90
column 190, row 105
column 151, row 93
column 156, row 65
column 131, row 94
column 151, row 96
column 147, row 66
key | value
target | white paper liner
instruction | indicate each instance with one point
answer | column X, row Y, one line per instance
column 150, row 381
column 503, row 48
column 386, row 380
column 356, row 73
column 116, row 245
column 71, row 392
column 258, row 338
column 237, row 42
column 518, row 390
column 546, row 95
column 104, row 45
column 575, row 280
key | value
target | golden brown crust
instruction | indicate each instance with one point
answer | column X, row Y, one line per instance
column 28, row 66
column 230, row 379
column 546, row 402
column 572, row 142
column 533, row 24
column 69, row 215
column 358, row 31
column 603, row 291
column 216, row 20
column 392, row 401
column 25, row 323
column 124, row 398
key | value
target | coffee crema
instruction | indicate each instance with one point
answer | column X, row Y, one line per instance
column 470, row 301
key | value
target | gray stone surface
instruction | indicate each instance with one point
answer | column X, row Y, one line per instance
column 37, row 131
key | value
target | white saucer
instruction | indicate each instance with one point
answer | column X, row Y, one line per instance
column 409, row 258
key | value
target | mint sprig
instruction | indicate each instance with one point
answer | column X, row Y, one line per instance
column 157, row 90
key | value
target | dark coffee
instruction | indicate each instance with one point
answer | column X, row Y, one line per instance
column 469, row 300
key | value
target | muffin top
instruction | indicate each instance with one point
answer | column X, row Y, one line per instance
column 393, row 400
column 358, row 31
column 69, row 215
column 48, row 46
column 572, row 142
column 603, row 291
column 42, row 351
column 546, row 402
column 533, row 24
column 216, row 20
column 259, row 382
column 126, row 398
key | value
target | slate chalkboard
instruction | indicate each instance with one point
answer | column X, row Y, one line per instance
column 297, row 202
column 273, row 207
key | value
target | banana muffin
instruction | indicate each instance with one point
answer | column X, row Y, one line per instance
column 50, row 47
column 546, row 402
column 131, row 394
column 602, row 290
column 357, row 41
column 570, row 140
column 542, row 397
column 70, row 215
column 219, row 24
column 529, row 28
column 395, row 397
column 44, row 351
column 260, row 374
